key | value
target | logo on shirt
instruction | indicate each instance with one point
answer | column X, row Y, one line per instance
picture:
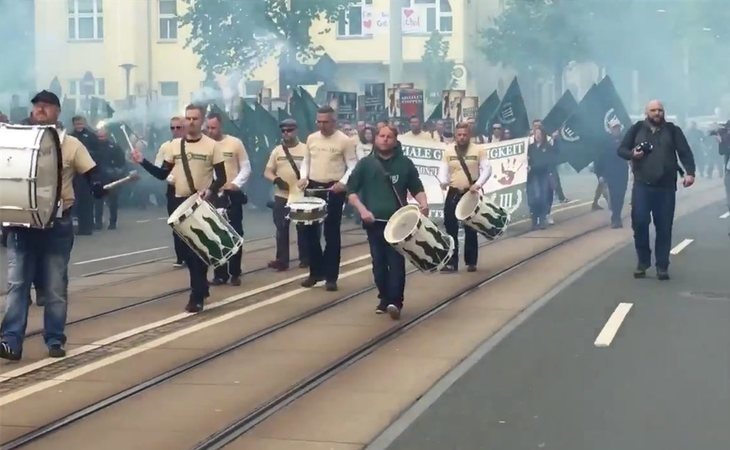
column 394, row 179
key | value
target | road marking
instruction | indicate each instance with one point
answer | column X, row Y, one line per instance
column 81, row 263
column 129, row 333
column 681, row 246
column 725, row 216
column 143, row 221
column 73, row 374
column 162, row 218
column 605, row 337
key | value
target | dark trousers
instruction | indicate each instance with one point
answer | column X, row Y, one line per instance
column 282, row 225
column 197, row 268
column 171, row 205
column 389, row 266
column 647, row 203
column 539, row 195
column 235, row 217
column 112, row 201
column 616, row 195
column 471, row 247
column 326, row 264
column 83, row 205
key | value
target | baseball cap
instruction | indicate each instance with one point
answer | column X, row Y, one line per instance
column 288, row 123
column 46, row 97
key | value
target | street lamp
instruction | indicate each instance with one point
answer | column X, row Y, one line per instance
column 127, row 70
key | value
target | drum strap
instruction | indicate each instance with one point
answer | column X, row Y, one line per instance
column 464, row 168
column 186, row 166
column 388, row 180
column 291, row 160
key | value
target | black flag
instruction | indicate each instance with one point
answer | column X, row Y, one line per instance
column 512, row 113
column 560, row 113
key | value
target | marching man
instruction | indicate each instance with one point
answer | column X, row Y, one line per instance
column 465, row 167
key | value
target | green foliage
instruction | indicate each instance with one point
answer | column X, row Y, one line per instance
column 436, row 65
column 244, row 34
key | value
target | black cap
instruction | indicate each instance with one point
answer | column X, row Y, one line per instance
column 288, row 123
column 46, row 97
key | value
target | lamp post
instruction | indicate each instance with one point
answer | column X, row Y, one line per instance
column 127, row 71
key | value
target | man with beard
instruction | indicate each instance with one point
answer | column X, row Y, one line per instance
column 238, row 169
column 652, row 146
column 327, row 165
column 613, row 170
column 45, row 253
column 283, row 169
column 204, row 157
column 178, row 131
column 377, row 189
column 464, row 167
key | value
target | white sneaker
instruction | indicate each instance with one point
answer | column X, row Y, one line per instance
column 550, row 220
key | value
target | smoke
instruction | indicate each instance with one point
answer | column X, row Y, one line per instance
column 17, row 76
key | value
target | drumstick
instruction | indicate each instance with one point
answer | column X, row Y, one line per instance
column 129, row 142
column 132, row 176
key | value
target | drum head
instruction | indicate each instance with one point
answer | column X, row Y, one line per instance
column 48, row 183
column 467, row 204
column 186, row 207
column 307, row 204
column 402, row 224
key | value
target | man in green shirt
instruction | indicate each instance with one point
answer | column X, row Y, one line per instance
column 377, row 188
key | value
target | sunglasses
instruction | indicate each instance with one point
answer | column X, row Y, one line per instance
column 176, row 128
column 288, row 130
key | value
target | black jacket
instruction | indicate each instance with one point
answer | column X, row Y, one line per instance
column 609, row 164
column 658, row 167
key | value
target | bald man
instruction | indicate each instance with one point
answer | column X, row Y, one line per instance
column 652, row 146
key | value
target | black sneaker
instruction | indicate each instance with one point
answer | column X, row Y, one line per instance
column 218, row 282
column 331, row 286
column 56, row 351
column 471, row 269
column 310, row 282
column 381, row 309
column 449, row 269
column 662, row 275
column 236, row 281
column 7, row 353
column 640, row 272
column 194, row 307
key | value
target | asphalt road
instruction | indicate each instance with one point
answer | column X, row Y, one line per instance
column 661, row 382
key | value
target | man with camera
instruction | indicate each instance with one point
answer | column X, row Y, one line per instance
column 723, row 147
column 652, row 146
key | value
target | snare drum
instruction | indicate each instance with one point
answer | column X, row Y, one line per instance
column 205, row 231
column 307, row 210
column 481, row 215
column 417, row 238
column 30, row 175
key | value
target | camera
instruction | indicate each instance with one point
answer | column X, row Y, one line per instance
column 645, row 147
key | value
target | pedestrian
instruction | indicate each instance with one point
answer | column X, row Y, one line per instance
column 376, row 189
column 614, row 172
column 652, row 146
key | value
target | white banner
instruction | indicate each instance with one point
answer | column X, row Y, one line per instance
column 506, row 186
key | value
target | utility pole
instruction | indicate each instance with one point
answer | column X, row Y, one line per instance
column 396, row 42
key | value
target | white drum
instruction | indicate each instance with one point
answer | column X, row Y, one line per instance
column 481, row 215
column 417, row 238
column 30, row 175
column 307, row 210
column 203, row 229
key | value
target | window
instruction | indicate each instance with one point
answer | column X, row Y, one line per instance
column 168, row 20
column 168, row 89
column 74, row 88
column 85, row 21
column 438, row 14
column 357, row 19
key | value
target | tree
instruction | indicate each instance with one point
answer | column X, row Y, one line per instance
column 436, row 65
column 243, row 35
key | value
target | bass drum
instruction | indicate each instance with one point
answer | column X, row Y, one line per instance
column 416, row 237
column 30, row 175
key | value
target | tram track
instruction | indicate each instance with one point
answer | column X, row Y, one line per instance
column 275, row 403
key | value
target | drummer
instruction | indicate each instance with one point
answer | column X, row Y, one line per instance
column 284, row 171
column 204, row 157
column 34, row 251
column 464, row 167
column 238, row 169
column 372, row 188
column 327, row 164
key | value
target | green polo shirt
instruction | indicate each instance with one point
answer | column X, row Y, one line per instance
column 374, row 189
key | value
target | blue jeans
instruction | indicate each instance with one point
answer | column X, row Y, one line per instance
column 389, row 266
column 539, row 194
column 657, row 203
column 41, row 256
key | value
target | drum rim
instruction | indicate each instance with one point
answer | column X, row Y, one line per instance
column 479, row 200
column 190, row 204
column 388, row 231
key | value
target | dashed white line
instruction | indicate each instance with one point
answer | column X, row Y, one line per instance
column 605, row 337
column 681, row 246
column 106, row 258
column 725, row 216
column 143, row 221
